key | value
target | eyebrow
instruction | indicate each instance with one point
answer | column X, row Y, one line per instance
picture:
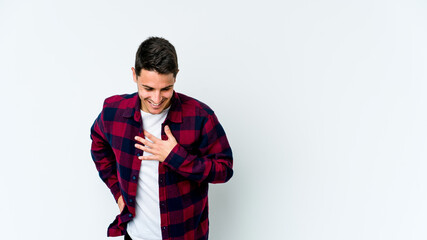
column 146, row 86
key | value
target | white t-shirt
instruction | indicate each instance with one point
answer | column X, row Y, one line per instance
column 146, row 223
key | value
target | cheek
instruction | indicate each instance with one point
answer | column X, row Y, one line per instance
column 168, row 94
column 143, row 94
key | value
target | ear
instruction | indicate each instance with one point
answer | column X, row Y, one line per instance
column 134, row 74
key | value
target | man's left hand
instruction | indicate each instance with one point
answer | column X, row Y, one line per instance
column 158, row 147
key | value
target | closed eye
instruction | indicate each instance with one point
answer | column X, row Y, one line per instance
column 147, row 88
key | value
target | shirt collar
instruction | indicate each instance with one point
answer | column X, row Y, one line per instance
column 174, row 115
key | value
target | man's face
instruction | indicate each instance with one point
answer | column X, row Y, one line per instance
column 155, row 90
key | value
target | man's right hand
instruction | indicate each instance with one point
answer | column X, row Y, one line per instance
column 121, row 203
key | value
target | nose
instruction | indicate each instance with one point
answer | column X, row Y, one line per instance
column 156, row 97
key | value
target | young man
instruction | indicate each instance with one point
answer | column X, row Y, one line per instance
column 157, row 150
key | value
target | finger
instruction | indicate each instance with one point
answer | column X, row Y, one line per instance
column 149, row 157
column 150, row 136
column 145, row 149
column 169, row 132
column 139, row 146
column 144, row 141
column 139, row 139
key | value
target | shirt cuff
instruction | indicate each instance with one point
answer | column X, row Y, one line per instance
column 176, row 157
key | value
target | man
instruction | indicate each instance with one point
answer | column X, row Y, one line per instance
column 157, row 150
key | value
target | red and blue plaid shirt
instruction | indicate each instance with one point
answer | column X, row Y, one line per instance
column 202, row 155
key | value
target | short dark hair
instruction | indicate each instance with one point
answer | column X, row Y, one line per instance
column 156, row 54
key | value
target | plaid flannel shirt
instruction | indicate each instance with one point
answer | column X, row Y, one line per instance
column 202, row 156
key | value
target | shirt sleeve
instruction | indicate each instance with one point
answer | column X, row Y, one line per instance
column 213, row 165
column 104, row 158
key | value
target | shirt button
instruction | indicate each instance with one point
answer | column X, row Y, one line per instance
column 130, row 200
column 138, row 154
column 134, row 178
column 164, row 228
column 130, row 215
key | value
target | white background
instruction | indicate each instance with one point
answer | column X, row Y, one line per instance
column 323, row 102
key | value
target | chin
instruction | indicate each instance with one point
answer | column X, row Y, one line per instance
column 156, row 111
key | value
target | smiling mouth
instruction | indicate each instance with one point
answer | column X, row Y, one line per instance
column 154, row 104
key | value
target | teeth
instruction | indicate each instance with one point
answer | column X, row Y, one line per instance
column 155, row 104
